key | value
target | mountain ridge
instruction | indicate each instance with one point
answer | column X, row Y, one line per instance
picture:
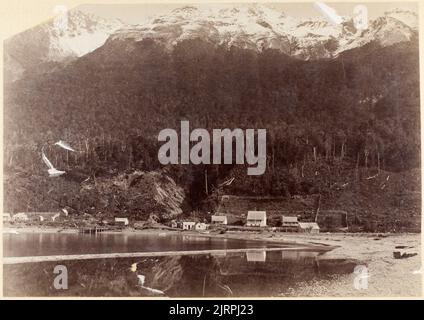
column 255, row 26
column 260, row 27
column 55, row 42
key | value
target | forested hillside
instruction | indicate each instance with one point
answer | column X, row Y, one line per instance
column 358, row 112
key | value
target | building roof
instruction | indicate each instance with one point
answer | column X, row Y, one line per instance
column 256, row 215
column 42, row 213
column 219, row 218
column 289, row 219
column 308, row 225
column 20, row 214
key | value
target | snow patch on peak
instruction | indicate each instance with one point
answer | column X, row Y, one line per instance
column 60, row 40
column 407, row 17
column 81, row 33
column 258, row 26
column 253, row 26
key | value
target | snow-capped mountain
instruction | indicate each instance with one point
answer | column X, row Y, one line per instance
column 80, row 35
column 74, row 35
column 250, row 26
column 259, row 27
column 407, row 17
column 394, row 27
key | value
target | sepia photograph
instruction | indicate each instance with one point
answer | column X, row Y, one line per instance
column 213, row 150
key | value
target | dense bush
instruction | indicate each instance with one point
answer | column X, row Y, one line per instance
column 361, row 108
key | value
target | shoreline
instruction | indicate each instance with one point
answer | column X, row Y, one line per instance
column 328, row 240
column 387, row 276
column 234, row 235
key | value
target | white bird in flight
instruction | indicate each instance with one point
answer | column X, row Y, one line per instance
column 64, row 145
column 53, row 172
column 227, row 182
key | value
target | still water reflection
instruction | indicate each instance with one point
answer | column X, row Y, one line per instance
column 259, row 274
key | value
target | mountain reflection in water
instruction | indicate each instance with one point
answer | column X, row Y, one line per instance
column 259, row 274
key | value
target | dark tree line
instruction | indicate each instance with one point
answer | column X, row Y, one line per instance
column 361, row 108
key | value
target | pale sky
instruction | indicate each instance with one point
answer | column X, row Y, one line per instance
column 137, row 13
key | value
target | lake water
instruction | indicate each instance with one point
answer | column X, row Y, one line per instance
column 44, row 244
column 259, row 273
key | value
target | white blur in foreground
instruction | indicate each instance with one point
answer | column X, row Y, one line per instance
column 328, row 12
column 64, row 145
column 53, row 172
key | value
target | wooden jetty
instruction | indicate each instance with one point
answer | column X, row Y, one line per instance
column 93, row 230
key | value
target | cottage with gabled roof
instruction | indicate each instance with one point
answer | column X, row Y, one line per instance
column 200, row 226
column 219, row 219
column 256, row 219
column 289, row 223
column 122, row 221
column 188, row 225
column 20, row 216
